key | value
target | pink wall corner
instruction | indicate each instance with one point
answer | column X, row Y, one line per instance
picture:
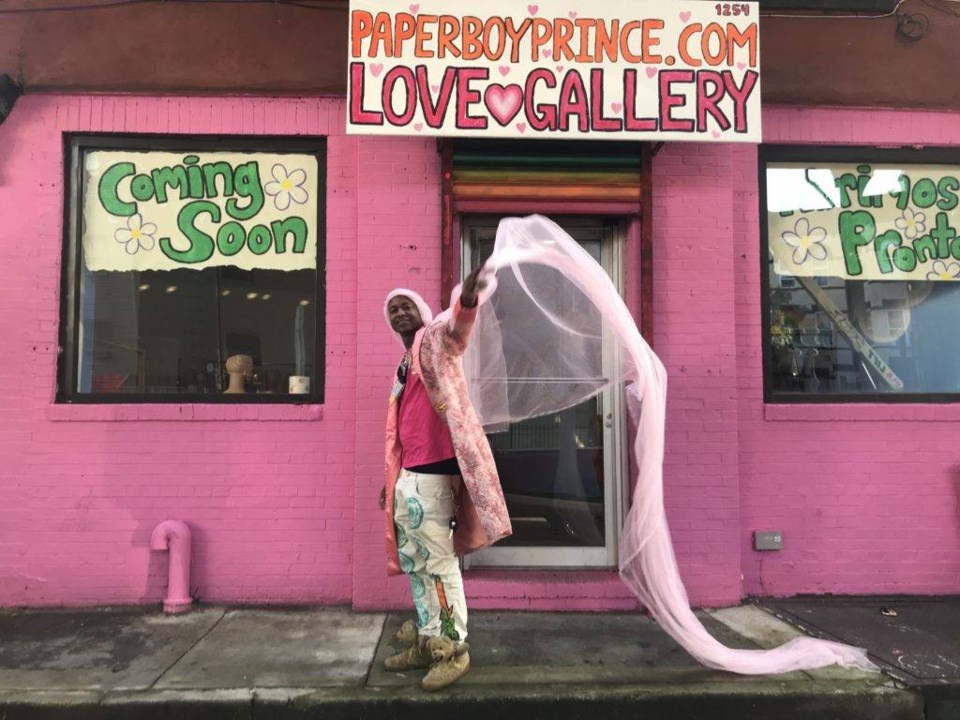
column 83, row 488
column 865, row 495
column 398, row 232
column 694, row 308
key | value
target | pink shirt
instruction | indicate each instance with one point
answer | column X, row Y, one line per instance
column 424, row 435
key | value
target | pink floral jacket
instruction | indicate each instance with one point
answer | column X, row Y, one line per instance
column 482, row 517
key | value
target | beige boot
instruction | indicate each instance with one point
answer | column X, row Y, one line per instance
column 406, row 636
column 451, row 661
column 414, row 656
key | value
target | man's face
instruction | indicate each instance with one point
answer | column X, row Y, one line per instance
column 404, row 315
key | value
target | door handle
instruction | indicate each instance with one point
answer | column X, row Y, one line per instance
column 608, row 420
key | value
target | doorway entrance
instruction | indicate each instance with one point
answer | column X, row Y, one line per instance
column 562, row 474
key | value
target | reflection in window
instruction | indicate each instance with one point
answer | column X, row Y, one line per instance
column 863, row 273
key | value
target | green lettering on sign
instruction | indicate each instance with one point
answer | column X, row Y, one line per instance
column 857, row 228
column 201, row 244
column 107, row 190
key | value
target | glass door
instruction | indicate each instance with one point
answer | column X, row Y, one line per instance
column 562, row 474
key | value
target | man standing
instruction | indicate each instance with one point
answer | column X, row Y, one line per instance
column 442, row 494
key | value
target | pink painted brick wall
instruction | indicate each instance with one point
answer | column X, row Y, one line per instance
column 268, row 491
column 694, row 308
column 865, row 495
column 293, row 518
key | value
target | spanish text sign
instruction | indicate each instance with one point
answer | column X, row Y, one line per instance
column 644, row 70
column 865, row 222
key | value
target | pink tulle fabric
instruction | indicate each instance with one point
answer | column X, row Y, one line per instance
column 553, row 331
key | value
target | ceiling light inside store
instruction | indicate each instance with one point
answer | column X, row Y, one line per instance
column 266, row 296
column 224, row 293
column 171, row 288
column 145, row 286
column 252, row 295
column 304, row 303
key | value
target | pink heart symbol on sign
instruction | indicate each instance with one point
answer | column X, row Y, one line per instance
column 685, row 15
column 546, row 53
column 435, row 88
column 741, row 66
column 418, row 126
column 414, row 8
column 504, row 69
column 503, row 101
column 651, row 71
column 559, row 68
column 521, row 127
column 532, row 9
column 572, row 14
column 616, row 107
column 376, row 69
column 716, row 134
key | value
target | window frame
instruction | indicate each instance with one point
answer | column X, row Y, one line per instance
column 869, row 154
column 74, row 146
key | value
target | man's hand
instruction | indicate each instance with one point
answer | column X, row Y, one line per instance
column 383, row 498
column 472, row 287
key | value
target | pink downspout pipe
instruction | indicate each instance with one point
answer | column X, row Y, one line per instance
column 175, row 536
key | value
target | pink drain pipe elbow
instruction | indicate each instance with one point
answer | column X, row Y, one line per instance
column 175, row 536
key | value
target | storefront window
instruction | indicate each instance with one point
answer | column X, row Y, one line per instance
column 191, row 271
column 862, row 276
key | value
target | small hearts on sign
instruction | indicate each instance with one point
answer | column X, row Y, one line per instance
column 418, row 126
column 435, row 88
column 741, row 65
column 504, row 70
column 376, row 69
column 546, row 53
column 532, row 9
column 559, row 68
column 616, row 107
column 651, row 71
column 716, row 134
column 572, row 14
column 685, row 15
column 521, row 127
column 414, row 8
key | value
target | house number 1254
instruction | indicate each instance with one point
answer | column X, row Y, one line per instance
column 732, row 9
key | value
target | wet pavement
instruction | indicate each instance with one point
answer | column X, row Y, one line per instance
column 306, row 662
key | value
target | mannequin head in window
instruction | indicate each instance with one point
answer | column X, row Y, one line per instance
column 239, row 369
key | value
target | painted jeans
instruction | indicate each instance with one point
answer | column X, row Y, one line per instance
column 424, row 505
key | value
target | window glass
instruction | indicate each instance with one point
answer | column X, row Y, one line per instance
column 192, row 274
column 862, row 276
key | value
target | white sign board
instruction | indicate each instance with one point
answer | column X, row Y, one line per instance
column 164, row 210
column 643, row 70
column 865, row 222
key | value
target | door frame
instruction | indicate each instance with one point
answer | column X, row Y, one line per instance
column 613, row 243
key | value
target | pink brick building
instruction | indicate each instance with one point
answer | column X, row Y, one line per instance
column 282, row 497
column 820, row 406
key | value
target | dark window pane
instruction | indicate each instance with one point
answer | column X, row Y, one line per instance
column 173, row 331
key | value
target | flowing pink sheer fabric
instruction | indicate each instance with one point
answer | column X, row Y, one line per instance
column 552, row 332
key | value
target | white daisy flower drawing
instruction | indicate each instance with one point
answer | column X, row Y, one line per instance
column 911, row 223
column 806, row 241
column 943, row 271
column 286, row 186
column 137, row 235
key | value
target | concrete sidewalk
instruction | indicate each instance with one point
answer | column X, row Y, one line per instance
column 217, row 662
